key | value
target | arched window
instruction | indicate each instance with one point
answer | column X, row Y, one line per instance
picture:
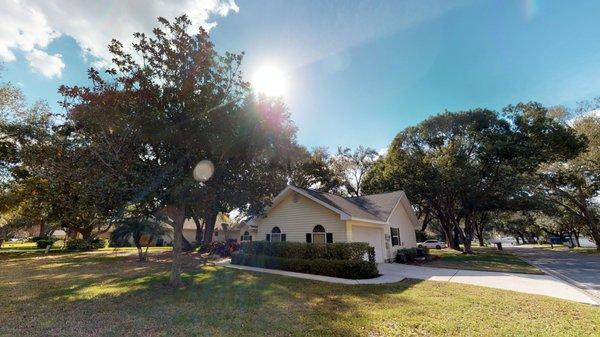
column 319, row 229
column 246, row 237
column 318, row 234
column 276, row 235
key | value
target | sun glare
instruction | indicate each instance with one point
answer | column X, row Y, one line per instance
column 269, row 80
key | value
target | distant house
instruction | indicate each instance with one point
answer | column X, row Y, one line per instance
column 241, row 231
column 385, row 221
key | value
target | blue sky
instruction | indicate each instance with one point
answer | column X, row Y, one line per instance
column 356, row 72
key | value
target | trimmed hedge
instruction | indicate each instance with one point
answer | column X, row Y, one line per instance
column 350, row 251
column 42, row 243
column 81, row 244
column 350, row 269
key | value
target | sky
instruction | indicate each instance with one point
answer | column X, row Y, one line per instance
column 356, row 72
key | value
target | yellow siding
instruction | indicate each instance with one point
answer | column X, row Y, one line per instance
column 295, row 219
column 400, row 219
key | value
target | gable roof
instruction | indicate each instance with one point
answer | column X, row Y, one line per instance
column 374, row 208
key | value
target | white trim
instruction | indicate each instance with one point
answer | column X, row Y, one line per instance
column 369, row 220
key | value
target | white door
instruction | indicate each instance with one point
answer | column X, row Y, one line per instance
column 372, row 236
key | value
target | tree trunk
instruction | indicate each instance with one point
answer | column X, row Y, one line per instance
column 576, row 235
column 42, row 232
column 199, row 228
column 177, row 216
column 209, row 228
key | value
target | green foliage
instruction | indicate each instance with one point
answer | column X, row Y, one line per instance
column 351, row 269
column 459, row 166
column 351, row 251
column 98, row 243
column 406, row 255
column 422, row 235
column 42, row 243
column 82, row 244
column 77, row 245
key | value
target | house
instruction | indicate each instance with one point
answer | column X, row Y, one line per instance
column 386, row 221
column 240, row 232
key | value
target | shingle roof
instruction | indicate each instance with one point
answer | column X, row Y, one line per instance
column 371, row 207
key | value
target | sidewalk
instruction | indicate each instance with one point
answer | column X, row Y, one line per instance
column 392, row 272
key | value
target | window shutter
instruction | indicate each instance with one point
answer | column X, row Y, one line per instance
column 268, row 237
column 250, row 238
column 329, row 237
column 308, row 237
column 282, row 237
column 242, row 238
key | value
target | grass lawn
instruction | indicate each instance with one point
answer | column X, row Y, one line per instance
column 110, row 294
column 26, row 245
column 579, row 250
column 484, row 258
column 31, row 246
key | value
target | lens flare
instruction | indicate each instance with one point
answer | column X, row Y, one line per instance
column 270, row 81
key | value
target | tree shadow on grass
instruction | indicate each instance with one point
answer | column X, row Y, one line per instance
column 98, row 295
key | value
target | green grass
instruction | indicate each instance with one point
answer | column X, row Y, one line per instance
column 27, row 245
column 486, row 259
column 578, row 250
column 110, row 294
column 31, row 246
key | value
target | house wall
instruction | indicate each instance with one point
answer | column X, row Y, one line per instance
column 296, row 215
column 400, row 219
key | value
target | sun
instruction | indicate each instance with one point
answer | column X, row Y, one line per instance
column 269, row 80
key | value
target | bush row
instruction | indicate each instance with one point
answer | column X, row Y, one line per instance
column 352, row 251
column 350, row 269
column 81, row 244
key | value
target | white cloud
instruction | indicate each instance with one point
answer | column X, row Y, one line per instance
column 45, row 64
column 29, row 25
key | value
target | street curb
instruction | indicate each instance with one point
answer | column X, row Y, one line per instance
column 579, row 286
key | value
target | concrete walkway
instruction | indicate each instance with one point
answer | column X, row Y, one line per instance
column 392, row 272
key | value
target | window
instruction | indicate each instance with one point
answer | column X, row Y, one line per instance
column 275, row 235
column 395, row 234
column 246, row 237
column 318, row 235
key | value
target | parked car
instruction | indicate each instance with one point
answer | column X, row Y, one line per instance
column 432, row 244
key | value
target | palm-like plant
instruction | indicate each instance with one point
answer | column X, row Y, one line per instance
column 139, row 229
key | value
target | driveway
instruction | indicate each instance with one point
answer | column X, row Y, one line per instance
column 582, row 270
column 394, row 272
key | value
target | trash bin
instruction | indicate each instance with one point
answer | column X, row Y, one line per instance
column 499, row 245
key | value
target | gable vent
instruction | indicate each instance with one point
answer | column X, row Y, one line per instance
column 295, row 197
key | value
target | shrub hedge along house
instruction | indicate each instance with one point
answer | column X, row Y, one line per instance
column 385, row 221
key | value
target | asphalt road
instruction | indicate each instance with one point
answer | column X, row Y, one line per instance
column 582, row 270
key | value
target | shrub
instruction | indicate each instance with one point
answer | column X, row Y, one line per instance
column 38, row 238
column 351, row 269
column 220, row 248
column 406, row 255
column 42, row 243
column 352, row 251
column 81, row 244
column 98, row 243
column 77, row 244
